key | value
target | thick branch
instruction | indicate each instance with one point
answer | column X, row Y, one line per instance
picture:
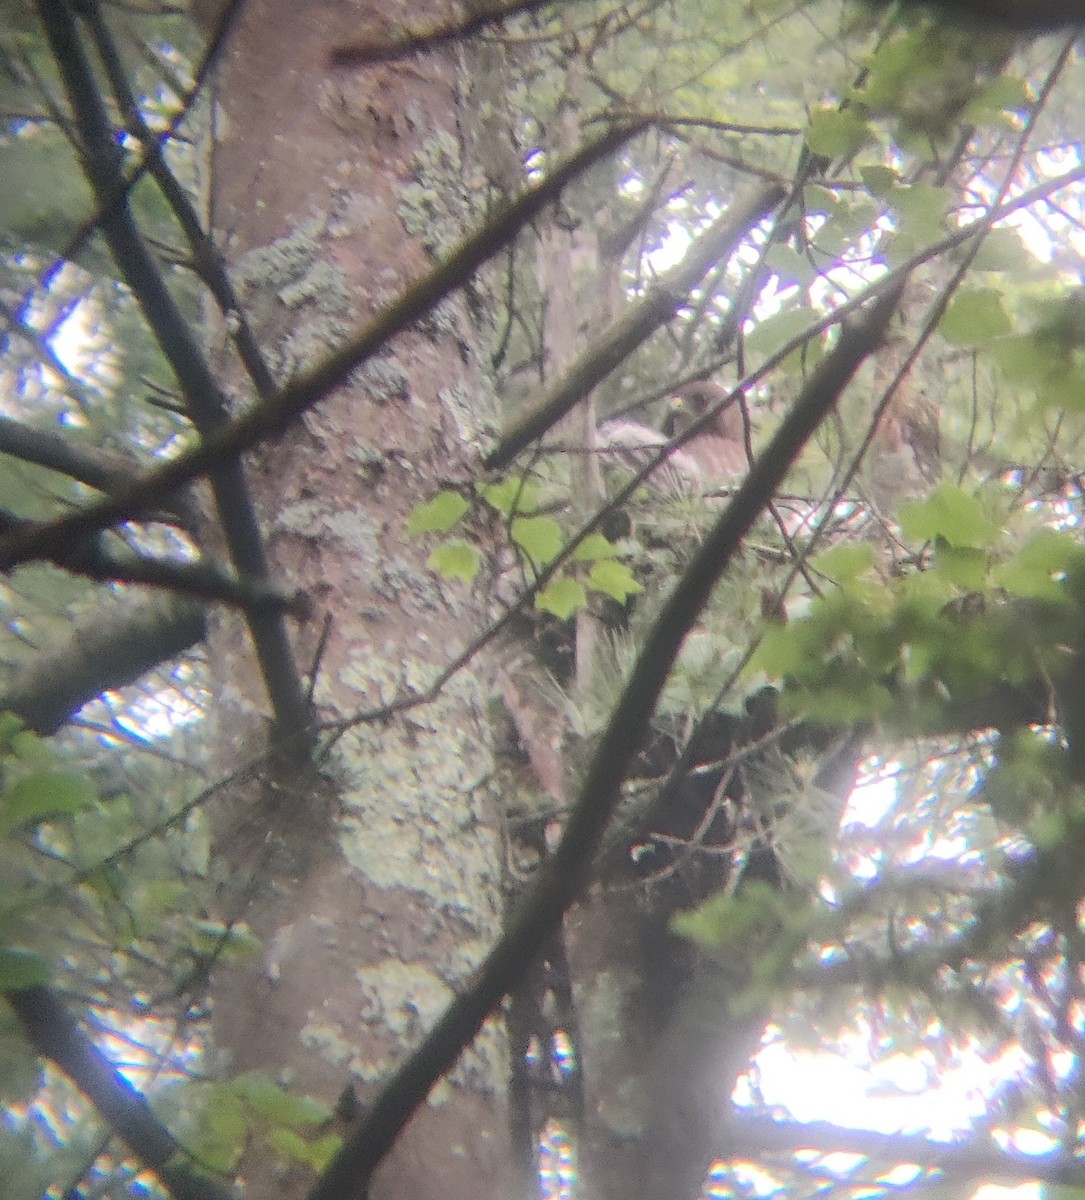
column 108, row 472
column 405, row 43
column 308, row 389
column 57, row 1036
column 1028, row 16
column 206, row 259
column 103, row 168
column 201, row 580
column 108, row 650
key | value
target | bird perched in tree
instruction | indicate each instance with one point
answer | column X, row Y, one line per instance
column 719, row 446
column 712, row 457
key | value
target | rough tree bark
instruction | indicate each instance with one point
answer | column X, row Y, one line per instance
column 376, row 884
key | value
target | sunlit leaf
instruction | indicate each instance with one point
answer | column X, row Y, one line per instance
column 276, row 1105
column 1000, row 250
column 880, row 180
column 562, row 597
column 36, row 798
column 964, row 566
column 1040, row 566
column 951, row 513
column 836, row 133
column 456, row 559
column 437, row 515
column 845, row 562
column 974, row 318
column 323, row 1150
column 773, row 333
column 615, row 579
column 510, row 495
column 288, row 1145
column 540, row 538
column 595, row 546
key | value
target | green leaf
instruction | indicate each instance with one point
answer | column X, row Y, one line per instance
column 844, row 563
column 922, row 208
column 792, row 268
column 22, row 969
column 437, row 515
column 1039, row 568
column 1025, row 360
column 781, row 649
column 880, row 180
column 962, row 566
column 855, row 700
column 456, row 560
column 507, row 496
column 222, row 1129
column 323, row 1150
column 562, row 597
column 10, row 725
column 28, row 748
column 1000, row 250
column 951, row 513
column 1003, row 93
column 276, row 1105
column 539, row 537
column 1062, row 321
column 836, row 133
column 974, row 318
column 46, row 794
column 773, row 333
column 288, row 1146
column 595, row 546
column 615, row 579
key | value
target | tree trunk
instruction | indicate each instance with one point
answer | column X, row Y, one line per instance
column 374, row 885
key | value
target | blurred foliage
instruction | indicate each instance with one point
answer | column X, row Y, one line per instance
column 917, row 565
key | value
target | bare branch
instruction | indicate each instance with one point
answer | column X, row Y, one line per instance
column 403, row 44
column 56, row 1035
column 101, row 469
column 309, row 388
column 203, row 397
column 1028, row 16
column 111, row 649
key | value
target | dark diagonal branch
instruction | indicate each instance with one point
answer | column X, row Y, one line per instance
column 102, row 165
column 309, row 388
column 402, row 44
column 206, row 259
column 100, row 469
column 1027, row 16
column 201, row 580
column 112, row 648
column 614, row 345
column 57, row 1036
column 562, row 875
column 217, row 40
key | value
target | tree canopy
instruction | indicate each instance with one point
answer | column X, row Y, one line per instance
column 763, row 531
